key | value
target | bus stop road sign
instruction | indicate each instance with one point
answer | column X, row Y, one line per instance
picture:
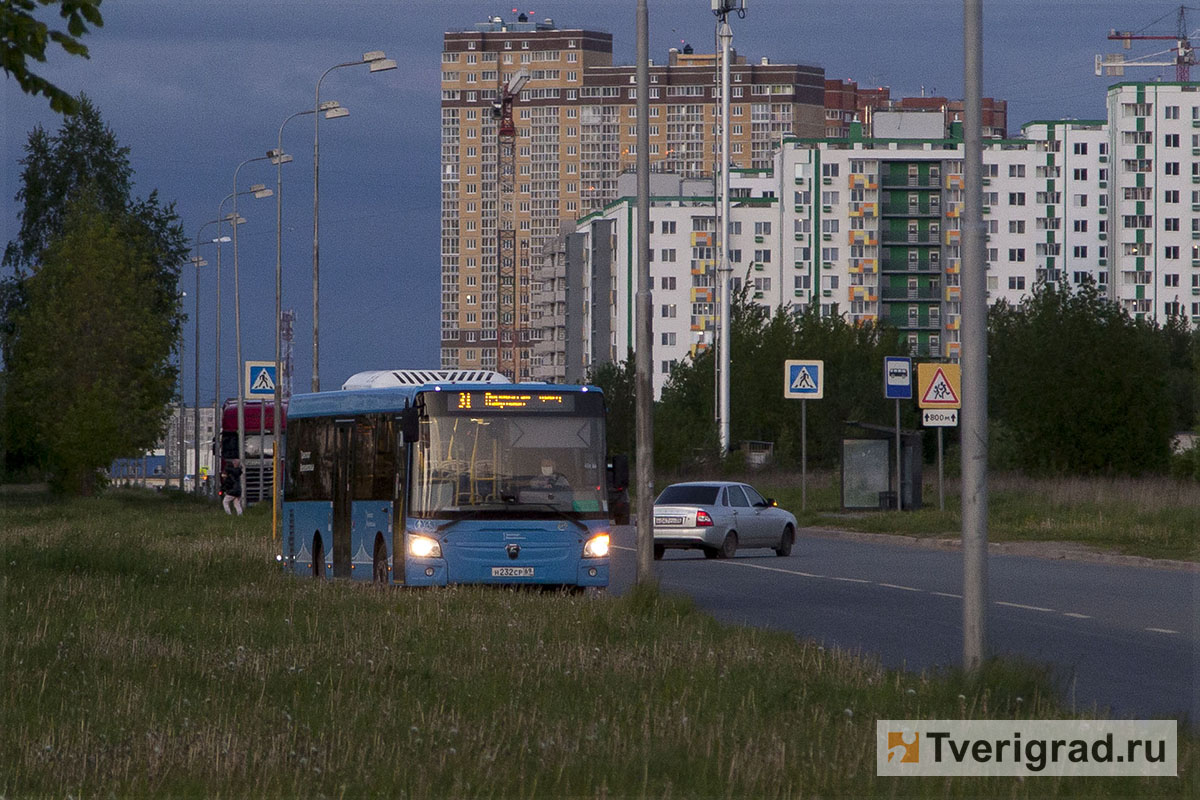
column 803, row 380
column 897, row 378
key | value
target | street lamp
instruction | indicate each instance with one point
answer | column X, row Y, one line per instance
column 332, row 110
column 199, row 262
column 377, row 62
column 259, row 191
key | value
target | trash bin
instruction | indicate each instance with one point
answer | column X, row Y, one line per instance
column 887, row 501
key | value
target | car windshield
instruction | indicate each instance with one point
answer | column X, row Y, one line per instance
column 688, row 495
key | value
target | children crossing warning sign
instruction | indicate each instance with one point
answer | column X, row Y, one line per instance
column 939, row 386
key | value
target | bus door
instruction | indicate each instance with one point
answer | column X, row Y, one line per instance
column 342, row 481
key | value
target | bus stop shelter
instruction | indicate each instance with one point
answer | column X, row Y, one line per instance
column 869, row 467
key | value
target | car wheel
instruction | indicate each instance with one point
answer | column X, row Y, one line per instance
column 786, row 541
column 729, row 546
column 658, row 552
column 710, row 552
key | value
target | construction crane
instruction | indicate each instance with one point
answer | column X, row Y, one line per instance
column 507, row 311
column 1183, row 55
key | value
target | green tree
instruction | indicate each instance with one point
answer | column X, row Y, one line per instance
column 83, row 173
column 760, row 342
column 616, row 380
column 91, row 380
column 23, row 37
column 1077, row 385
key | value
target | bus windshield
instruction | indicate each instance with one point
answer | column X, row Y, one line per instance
column 483, row 463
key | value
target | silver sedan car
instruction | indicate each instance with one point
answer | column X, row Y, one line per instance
column 718, row 517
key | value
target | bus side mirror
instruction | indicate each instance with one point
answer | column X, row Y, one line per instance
column 620, row 471
column 409, row 428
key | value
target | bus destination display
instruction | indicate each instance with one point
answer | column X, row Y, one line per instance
column 514, row 401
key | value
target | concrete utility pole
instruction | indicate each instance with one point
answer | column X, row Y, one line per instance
column 722, row 8
column 644, row 362
column 974, row 349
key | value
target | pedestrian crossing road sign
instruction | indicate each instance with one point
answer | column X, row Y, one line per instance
column 804, row 380
column 260, row 379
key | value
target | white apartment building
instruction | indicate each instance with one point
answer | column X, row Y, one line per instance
column 870, row 227
column 1154, row 138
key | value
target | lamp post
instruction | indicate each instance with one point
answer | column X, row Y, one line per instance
column 377, row 62
column 259, row 191
column 332, row 110
column 182, row 456
column 197, row 262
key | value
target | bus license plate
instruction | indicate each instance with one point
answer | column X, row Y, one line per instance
column 512, row 572
column 668, row 520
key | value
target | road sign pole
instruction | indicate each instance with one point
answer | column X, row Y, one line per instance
column 899, row 485
column 803, row 455
column 941, row 490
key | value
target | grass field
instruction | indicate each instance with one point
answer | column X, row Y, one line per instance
column 1155, row 518
column 151, row 648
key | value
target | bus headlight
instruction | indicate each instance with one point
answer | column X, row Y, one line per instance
column 424, row 547
column 596, row 547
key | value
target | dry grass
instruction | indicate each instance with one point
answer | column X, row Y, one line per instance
column 151, row 649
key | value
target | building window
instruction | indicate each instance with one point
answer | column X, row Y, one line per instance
column 1016, row 198
column 1016, row 282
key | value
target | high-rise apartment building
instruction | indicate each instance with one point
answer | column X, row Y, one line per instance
column 1154, row 198
column 576, row 133
column 846, row 103
column 871, row 228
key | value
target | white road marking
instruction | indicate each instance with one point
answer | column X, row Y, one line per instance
column 1161, row 630
column 1072, row 614
column 1022, row 605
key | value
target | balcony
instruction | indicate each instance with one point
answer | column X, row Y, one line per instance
column 702, row 239
column 702, row 295
column 905, row 293
column 953, row 293
column 903, row 237
column 909, row 181
column 908, row 210
column 902, row 265
column 863, row 237
column 954, row 181
column 953, row 323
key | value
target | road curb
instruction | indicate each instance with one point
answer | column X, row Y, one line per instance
column 1053, row 551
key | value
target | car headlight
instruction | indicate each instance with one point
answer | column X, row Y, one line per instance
column 596, row 547
column 424, row 547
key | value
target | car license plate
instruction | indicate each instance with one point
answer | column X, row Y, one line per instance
column 668, row 520
column 512, row 572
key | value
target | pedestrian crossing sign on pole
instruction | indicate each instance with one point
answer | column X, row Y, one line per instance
column 260, row 379
column 940, row 386
column 804, row 380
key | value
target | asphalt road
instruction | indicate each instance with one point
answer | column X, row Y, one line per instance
column 1121, row 638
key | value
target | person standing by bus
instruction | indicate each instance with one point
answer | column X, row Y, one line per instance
column 231, row 487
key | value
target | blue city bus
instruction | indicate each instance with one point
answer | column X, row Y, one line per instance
column 443, row 483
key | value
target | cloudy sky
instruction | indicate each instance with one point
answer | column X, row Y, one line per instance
column 194, row 88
